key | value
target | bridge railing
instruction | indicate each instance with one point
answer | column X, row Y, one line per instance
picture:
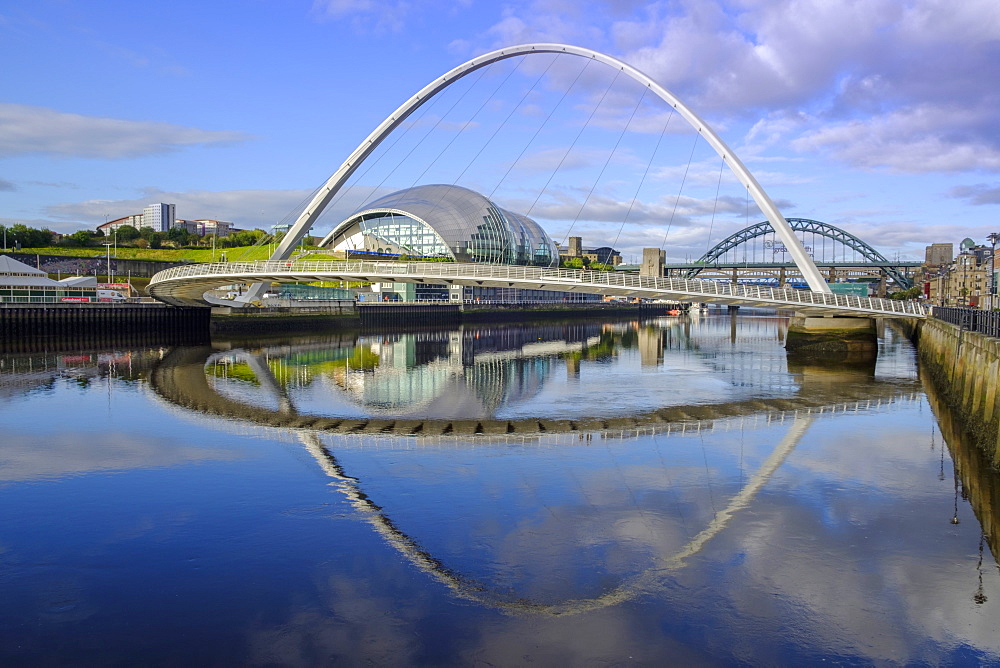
column 971, row 319
column 690, row 289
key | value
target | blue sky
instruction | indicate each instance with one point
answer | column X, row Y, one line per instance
column 878, row 116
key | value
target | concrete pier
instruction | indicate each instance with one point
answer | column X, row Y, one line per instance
column 831, row 336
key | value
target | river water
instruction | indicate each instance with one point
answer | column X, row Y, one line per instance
column 590, row 493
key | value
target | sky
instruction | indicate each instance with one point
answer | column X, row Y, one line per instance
column 881, row 117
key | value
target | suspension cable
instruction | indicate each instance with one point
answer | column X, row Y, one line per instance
column 426, row 112
column 572, row 145
column 642, row 181
column 611, row 154
column 520, row 155
column 680, row 190
column 500, row 126
column 468, row 122
column 715, row 206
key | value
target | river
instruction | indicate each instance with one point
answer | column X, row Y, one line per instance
column 585, row 493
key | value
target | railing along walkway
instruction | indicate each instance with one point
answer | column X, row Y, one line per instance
column 971, row 319
column 185, row 285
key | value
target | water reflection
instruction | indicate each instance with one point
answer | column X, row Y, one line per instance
column 516, row 380
column 975, row 476
column 413, row 384
column 704, row 498
column 644, row 583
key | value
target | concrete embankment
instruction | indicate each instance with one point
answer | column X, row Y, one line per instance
column 965, row 369
column 29, row 327
column 330, row 316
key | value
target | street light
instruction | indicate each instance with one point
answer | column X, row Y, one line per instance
column 107, row 245
column 993, row 238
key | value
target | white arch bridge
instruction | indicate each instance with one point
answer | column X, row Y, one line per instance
column 186, row 286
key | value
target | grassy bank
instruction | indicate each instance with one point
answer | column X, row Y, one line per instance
column 246, row 253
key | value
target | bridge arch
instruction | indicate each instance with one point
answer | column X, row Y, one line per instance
column 802, row 225
column 333, row 185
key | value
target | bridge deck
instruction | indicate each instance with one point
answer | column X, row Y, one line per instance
column 186, row 286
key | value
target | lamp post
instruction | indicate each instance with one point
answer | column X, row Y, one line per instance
column 993, row 238
column 108, row 246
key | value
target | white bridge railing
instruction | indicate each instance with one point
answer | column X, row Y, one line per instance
column 171, row 282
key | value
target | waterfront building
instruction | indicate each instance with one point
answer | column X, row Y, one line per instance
column 23, row 284
column 443, row 222
column 448, row 224
column 965, row 281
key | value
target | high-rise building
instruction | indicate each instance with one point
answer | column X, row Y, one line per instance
column 159, row 216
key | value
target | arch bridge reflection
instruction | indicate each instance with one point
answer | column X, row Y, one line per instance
column 190, row 378
column 496, row 381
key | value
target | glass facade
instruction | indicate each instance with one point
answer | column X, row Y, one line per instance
column 45, row 295
column 441, row 221
column 409, row 236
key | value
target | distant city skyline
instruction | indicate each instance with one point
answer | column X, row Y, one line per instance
column 878, row 117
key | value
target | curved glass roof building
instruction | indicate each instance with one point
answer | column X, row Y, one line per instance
column 444, row 221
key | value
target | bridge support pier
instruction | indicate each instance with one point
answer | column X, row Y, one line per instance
column 838, row 338
column 653, row 260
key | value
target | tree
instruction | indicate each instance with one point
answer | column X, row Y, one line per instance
column 178, row 235
column 28, row 237
column 910, row 293
column 79, row 238
column 127, row 233
column 246, row 237
column 150, row 235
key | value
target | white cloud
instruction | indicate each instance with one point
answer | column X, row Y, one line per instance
column 918, row 139
column 369, row 15
column 862, row 79
column 979, row 193
column 27, row 130
column 376, row 16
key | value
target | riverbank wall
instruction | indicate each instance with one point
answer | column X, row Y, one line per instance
column 70, row 265
column 964, row 367
column 325, row 317
column 29, row 327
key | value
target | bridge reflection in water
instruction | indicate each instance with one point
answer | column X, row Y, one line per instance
column 457, row 390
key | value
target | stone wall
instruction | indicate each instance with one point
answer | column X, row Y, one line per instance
column 965, row 368
column 86, row 266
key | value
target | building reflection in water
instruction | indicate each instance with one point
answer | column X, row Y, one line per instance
column 435, row 384
column 727, row 482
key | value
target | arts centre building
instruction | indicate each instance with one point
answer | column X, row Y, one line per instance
column 450, row 224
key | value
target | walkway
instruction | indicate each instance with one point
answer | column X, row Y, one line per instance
column 186, row 286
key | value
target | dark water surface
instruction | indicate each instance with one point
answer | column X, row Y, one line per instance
column 582, row 494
